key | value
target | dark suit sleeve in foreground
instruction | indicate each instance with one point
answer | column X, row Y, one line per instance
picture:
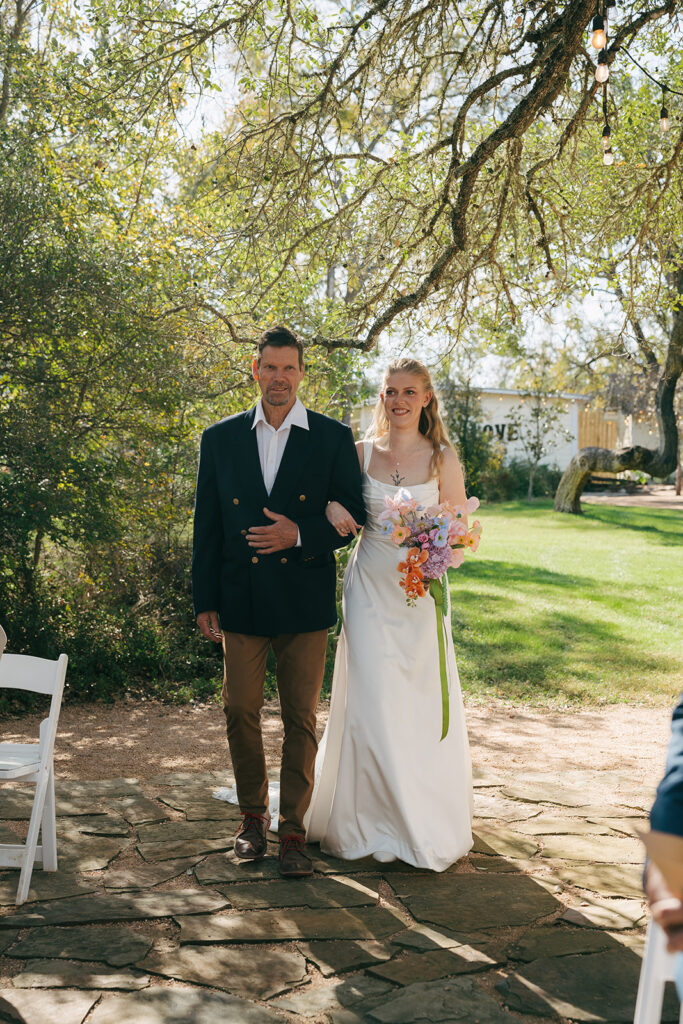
column 318, row 536
column 667, row 812
column 207, row 542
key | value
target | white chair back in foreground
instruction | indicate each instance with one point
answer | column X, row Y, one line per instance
column 33, row 762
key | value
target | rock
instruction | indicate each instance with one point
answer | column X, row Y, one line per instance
column 345, row 955
column 94, row 825
column 185, row 848
column 79, row 853
column 626, row 826
column 144, row 876
column 547, row 825
column 192, row 780
column 328, row 865
column 139, row 809
column 117, row 946
column 318, row 892
column 607, row 879
column 17, row 804
column 115, row 907
column 605, row 850
column 545, row 791
column 254, row 972
column 441, row 1002
column 224, row 867
column 475, row 902
column 6, row 939
column 312, row 1002
column 595, row 987
column 554, row 941
column 45, row 885
column 269, row 926
column 493, row 805
column 201, row 806
column 614, row 914
column 48, row 974
column 179, row 1006
column 179, row 831
column 503, row 841
column 421, row 937
column 439, row 963
column 25, row 1007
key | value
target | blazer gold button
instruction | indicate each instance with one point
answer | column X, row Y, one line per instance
column 284, row 561
column 302, row 497
column 254, row 559
column 235, row 501
column 243, row 532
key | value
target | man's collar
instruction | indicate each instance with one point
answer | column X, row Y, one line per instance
column 296, row 417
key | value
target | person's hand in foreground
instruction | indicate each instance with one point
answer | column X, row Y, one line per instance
column 666, row 909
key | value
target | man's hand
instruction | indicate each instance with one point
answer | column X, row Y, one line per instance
column 667, row 910
column 210, row 626
column 268, row 539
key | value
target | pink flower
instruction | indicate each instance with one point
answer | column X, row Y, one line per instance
column 457, row 557
column 471, row 505
column 400, row 533
column 422, row 537
column 456, row 529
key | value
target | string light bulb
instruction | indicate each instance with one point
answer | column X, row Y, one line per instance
column 608, row 158
column 602, row 70
column 599, row 37
column 664, row 123
column 606, row 137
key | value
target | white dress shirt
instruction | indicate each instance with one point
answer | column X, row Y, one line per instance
column 271, row 442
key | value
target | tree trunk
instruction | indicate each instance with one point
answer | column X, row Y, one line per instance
column 656, row 462
column 530, row 492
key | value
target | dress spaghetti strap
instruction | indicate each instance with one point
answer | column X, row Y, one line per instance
column 367, row 455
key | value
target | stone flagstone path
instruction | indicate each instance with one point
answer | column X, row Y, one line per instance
column 151, row 920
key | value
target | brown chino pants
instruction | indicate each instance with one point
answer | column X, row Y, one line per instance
column 300, row 659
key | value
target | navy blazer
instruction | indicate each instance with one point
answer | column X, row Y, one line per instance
column 667, row 812
column 291, row 591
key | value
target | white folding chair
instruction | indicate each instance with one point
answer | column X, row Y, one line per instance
column 658, row 968
column 33, row 762
column 3, row 640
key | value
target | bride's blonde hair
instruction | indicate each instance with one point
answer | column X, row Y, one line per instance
column 431, row 425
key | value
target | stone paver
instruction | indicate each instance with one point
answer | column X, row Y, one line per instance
column 117, row 946
column 596, row 987
column 439, row 963
column 601, row 850
column 345, row 955
column 51, row 974
column 319, row 892
column 475, row 902
column 144, row 876
column 349, row 992
column 40, row 1007
column 556, row 860
column 45, row 885
column 269, row 926
column 441, row 1002
column 614, row 914
column 180, row 1006
column 258, row 973
column 124, row 907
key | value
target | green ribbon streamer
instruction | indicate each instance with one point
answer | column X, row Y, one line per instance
column 438, row 590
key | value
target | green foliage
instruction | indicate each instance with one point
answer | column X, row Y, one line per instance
column 481, row 457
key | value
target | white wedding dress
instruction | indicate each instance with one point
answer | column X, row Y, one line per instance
column 385, row 783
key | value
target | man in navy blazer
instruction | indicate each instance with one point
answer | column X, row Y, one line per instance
column 667, row 816
column 264, row 575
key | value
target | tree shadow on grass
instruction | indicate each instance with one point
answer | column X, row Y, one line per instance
column 531, row 660
column 664, row 525
column 526, row 575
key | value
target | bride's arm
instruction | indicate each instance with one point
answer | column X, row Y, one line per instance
column 341, row 518
column 451, row 479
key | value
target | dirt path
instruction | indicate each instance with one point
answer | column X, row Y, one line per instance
column 654, row 496
column 145, row 738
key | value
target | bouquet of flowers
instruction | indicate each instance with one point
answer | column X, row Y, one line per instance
column 436, row 539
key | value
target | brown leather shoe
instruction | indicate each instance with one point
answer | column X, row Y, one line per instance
column 251, row 839
column 294, row 861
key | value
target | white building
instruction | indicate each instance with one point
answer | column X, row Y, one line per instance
column 497, row 405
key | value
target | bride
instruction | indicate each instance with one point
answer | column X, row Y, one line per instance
column 386, row 785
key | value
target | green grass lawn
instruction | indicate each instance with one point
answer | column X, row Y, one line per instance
column 556, row 609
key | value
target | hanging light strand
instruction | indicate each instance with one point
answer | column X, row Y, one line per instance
column 664, row 122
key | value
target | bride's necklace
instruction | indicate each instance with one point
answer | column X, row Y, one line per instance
column 396, row 478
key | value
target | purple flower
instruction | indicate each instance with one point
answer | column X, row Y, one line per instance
column 438, row 562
